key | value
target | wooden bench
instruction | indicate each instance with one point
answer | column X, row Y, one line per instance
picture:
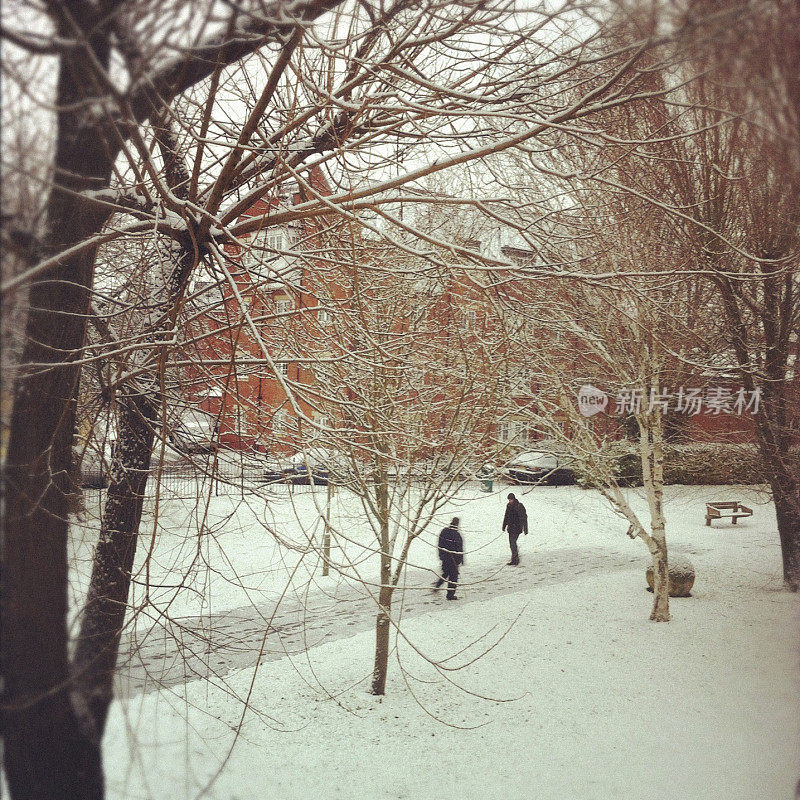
column 727, row 510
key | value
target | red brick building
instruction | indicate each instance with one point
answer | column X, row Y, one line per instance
column 301, row 307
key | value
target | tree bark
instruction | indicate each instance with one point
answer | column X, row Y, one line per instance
column 651, row 442
column 786, row 496
column 382, row 635
column 107, row 602
column 383, row 621
column 658, row 549
column 772, row 426
column 52, row 748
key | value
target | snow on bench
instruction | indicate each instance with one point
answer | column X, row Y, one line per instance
column 727, row 510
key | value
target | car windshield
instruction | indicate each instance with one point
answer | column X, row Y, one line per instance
column 313, row 457
column 535, row 459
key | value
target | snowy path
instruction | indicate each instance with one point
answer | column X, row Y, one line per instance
column 189, row 648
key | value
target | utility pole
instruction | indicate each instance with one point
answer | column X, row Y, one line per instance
column 326, row 536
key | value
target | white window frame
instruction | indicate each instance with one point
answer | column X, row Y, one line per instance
column 469, row 320
column 274, row 240
column 280, row 422
column 284, row 305
column 514, row 430
column 263, row 246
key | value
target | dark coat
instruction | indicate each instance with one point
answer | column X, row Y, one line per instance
column 516, row 518
column 451, row 545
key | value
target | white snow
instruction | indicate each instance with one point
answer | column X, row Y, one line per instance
column 577, row 696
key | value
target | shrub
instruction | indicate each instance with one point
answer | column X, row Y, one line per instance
column 713, row 464
column 702, row 463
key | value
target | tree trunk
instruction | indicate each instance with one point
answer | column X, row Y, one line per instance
column 660, row 612
column 383, row 621
column 52, row 748
column 46, row 747
column 651, row 447
column 382, row 631
column 107, row 601
column 772, row 426
column 787, row 501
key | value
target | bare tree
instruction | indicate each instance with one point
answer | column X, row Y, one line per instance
column 721, row 147
column 148, row 136
column 619, row 333
column 744, row 224
column 397, row 396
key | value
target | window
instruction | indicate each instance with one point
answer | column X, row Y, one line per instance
column 279, row 421
column 322, row 420
column 283, row 305
column 282, row 368
column 263, row 245
column 273, row 240
column 504, row 431
column 514, row 430
column 324, row 317
column 470, row 320
column 521, row 382
column 288, row 189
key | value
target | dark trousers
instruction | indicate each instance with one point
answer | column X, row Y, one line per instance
column 512, row 541
column 449, row 574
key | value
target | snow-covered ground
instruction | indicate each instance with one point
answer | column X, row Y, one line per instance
column 576, row 693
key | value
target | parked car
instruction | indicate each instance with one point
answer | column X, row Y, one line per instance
column 540, row 467
column 297, row 475
column 193, row 432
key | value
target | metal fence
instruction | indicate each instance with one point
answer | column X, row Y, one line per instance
column 189, row 482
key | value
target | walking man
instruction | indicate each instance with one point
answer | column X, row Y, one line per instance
column 515, row 522
column 451, row 554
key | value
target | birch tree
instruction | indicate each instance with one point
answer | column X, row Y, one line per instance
column 618, row 334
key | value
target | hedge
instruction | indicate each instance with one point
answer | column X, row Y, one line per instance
column 710, row 464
